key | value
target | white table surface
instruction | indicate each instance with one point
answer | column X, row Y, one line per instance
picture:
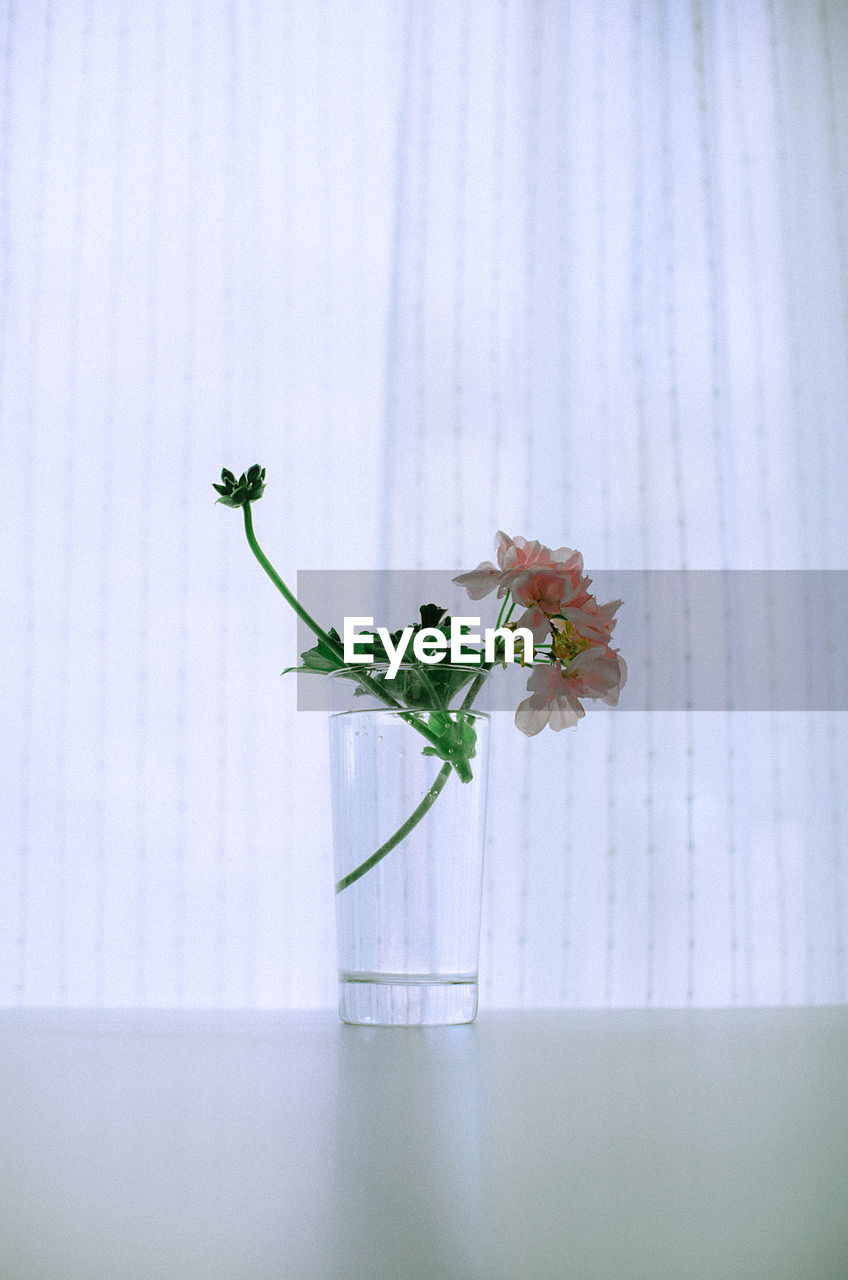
column 622, row 1145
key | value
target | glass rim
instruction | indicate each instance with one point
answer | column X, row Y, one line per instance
column 417, row 695
column 365, row 668
column 473, row 713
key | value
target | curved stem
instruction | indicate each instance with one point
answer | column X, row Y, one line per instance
column 402, row 831
column 462, row 767
column 373, row 686
column 473, row 690
column 283, row 589
column 418, row 813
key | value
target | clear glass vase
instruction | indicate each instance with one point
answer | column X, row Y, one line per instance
column 408, row 834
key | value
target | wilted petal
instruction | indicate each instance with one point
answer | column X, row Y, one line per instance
column 531, row 716
column 545, row 588
column 565, row 712
column 480, row 581
column 609, row 611
column 597, row 673
column 592, row 621
column 553, row 701
column 565, row 555
column 544, row 679
column 503, row 546
column 611, row 696
column 537, row 622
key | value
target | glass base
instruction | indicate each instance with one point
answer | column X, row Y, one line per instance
column 407, row 999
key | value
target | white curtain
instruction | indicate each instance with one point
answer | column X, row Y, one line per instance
column 578, row 271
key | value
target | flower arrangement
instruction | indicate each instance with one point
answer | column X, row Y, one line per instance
column 561, row 632
column 573, row 658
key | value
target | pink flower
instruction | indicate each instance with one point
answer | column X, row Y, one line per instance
column 546, row 593
column 515, row 557
column 596, row 672
column 563, row 616
column 594, row 621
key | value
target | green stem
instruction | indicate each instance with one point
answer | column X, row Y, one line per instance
column 401, row 833
column 417, row 814
column 373, row 686
column 427, row 683
column 283, row 589
column 462, row 766
column 473, row 690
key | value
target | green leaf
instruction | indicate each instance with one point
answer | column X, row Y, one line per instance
column 457, row 738
column 431, row 615
column 320, row 657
